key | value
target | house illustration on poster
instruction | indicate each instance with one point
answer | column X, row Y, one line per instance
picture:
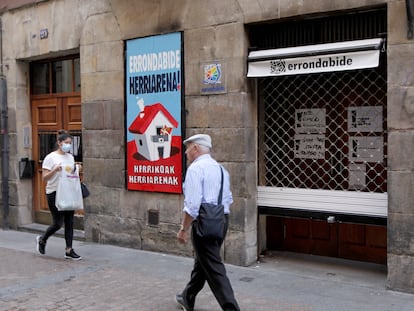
column 152, row 130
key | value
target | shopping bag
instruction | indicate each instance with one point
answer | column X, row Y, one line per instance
column 69, row 192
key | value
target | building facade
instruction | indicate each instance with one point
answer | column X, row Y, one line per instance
column 310, row 108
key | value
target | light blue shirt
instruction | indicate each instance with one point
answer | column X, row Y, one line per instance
column 202, row 185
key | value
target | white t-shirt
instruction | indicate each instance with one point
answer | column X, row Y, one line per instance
column 51, row 161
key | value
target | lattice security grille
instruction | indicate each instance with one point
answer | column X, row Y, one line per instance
column 324, row 131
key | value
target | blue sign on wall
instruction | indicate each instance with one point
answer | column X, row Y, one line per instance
column 153, row 111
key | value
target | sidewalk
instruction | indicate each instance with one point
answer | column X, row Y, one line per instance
column 115, row 278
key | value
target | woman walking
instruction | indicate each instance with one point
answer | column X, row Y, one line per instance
column 52, row 166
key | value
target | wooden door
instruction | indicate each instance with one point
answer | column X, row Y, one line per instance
column 311, row 236
column 361, row 242
column 49, row 114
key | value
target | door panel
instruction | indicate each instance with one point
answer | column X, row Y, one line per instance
column 49, row 114
column 318, row 237
column 46, row 118
column 72, row 114
column 311, row 237
column 46, row 114
column 363, row 241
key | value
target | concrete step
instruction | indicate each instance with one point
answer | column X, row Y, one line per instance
column 78, row 235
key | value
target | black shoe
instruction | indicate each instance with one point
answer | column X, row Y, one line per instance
column 72, row 255
column 182, row 302
column 40, row 245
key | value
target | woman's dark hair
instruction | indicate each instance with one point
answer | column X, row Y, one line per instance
column 63, row 135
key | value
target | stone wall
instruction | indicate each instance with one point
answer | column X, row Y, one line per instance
column 114, row 215
column 401, row 150
column 212, row 31
column 20, row 43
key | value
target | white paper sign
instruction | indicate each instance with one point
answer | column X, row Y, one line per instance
column 310, row 146
column 309, row 121
column 369, row 149
column 357, row 176
column 365, row 119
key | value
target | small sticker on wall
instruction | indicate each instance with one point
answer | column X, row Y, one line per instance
column 213, row 81
column 27, row 137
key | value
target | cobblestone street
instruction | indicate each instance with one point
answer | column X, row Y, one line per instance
column 114, row 278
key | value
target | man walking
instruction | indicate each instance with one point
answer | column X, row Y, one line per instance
column 202, row 185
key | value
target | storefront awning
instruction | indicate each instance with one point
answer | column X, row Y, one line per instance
column 340, row 56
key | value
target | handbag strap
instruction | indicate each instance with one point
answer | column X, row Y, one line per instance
column 220, row 197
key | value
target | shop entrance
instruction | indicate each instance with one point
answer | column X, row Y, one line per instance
column 55, row 105
column 323, row 139
column 334, row 165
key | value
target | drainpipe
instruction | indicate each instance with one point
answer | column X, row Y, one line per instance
column 410, row 18
column 5, row 140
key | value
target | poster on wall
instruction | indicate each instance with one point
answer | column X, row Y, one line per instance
column 310, row 121
column 365, row 119
column 366, row 149
column 309, row 146
column 153, row 113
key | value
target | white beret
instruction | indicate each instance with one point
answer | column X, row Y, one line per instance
column 199, row 139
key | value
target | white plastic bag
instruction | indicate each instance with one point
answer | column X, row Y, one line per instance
column 69, row 193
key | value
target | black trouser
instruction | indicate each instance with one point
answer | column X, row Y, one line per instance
column 58, row 218
column 209, row 267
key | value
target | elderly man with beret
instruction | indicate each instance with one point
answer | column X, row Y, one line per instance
column 202, row 185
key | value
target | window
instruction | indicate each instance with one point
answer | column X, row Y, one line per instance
column 48, row 143
column 55, row 76
column 40, row 78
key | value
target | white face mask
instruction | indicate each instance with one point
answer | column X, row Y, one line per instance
column 66, row 147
